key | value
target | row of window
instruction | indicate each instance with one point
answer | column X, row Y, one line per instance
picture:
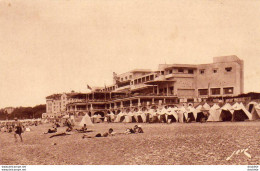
column 126, row 78
column 143, row 79
column 180, row 70
column 216, row 91
column 215, row 70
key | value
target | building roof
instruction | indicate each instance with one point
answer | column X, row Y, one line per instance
column 54, row 96
column 181, row 66
column 140, row 70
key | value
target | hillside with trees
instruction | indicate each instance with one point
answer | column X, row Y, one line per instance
column 24, row 112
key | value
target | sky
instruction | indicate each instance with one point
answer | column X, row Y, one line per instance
column 57, row 46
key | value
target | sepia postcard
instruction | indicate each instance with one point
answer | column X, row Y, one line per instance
column 92, row 83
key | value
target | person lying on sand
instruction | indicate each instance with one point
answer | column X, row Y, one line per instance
column 106, row 134
column 60, row 134
column 136, row 129
column 51, row 130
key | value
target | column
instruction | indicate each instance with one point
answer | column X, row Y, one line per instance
column 167, row 90
column 139, row 102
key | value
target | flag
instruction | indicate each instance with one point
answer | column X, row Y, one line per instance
column 116, row 78
column 89, row 87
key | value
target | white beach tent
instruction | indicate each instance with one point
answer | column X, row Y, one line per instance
column 192, row 113
column 241, row 113
column 182, row 114
column 214, row 113
column 254, row 109
column 118, row 117
column 171, row 115
column 86, row 120
column 226, row 112
column 199, row 107
column 206, row 106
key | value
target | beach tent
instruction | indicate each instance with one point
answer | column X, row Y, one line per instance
column 192, row 114
column 254, row 109
column 240, row 113
column 119, row 117
column 182, row 114
column 251, row 106
column 96, row 118
column 86, row 120
column 151, row 114
column 225, row 115
column 226, row 112
column 206, row 106
column 145, row 117
column 214, row 113
column 171, row 115
column 215, row 106
column 139, row 116
column 199, row 107
column 162, row 115
column 132, row 117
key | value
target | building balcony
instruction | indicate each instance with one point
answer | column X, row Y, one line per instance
column 183, row 75
column 127, row 87
column 140, row 86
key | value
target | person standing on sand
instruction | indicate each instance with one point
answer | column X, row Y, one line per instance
column 18, row 129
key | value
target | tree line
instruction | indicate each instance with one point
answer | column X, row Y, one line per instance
column 24, row 112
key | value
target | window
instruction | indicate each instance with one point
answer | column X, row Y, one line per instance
column 228, row 90
column 130, row 76
column 215, row 91
column 151, row 77
column 125, row 78
column 162, row 72
column 228, row 69
column 190, row 101
column 215, row 70
column 203, row 92
column 202, row 71
column 190, row 71
column 180, row 70
column 170, row 71
column 122, row 79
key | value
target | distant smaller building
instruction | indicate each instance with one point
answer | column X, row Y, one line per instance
column 9, row 110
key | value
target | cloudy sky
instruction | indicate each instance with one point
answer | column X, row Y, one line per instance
column 57, row 46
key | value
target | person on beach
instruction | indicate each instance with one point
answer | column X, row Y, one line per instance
column 84, row 129
column 18, row 129
column 54, row 130
column 106, row 134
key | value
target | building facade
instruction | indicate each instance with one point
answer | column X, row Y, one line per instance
column 170, row 84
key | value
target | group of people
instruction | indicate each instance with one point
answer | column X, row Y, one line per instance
column 137, row 129
column 15, row 127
